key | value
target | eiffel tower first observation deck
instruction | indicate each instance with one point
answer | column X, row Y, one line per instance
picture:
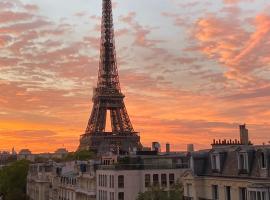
column 108, row 98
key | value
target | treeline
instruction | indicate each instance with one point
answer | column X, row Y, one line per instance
column 71, row 156
column 13, row 181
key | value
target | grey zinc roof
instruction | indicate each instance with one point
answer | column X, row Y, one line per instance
column 229, row 162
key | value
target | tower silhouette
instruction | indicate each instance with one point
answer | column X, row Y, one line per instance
column 107, row 97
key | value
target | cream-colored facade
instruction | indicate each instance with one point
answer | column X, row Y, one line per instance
column 230, row 172
column 39, row 181
column 202, row 188
column 125, row 180
column 127, row 184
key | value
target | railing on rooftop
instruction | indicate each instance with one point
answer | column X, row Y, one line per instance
column 142, row 166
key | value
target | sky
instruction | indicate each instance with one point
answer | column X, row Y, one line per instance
column 191, row 70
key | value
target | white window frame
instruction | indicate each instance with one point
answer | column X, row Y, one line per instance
column 245, row 164
column 215, row 163
column 258, row 191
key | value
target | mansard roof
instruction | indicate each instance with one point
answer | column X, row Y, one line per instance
column 228, row 158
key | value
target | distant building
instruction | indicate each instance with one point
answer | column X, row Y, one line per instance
column 60, row 153
column 25, row 154
column 231, row 170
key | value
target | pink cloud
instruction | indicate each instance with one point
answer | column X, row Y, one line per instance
column 236, row 1
column 10, row 16
column 233, row 45
column 31, row 7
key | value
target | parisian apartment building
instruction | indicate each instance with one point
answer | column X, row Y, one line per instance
column 230, row 170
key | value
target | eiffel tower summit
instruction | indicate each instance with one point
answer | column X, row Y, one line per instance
column 108, row 100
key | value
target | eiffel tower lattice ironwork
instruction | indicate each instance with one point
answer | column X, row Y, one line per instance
column 107, row 97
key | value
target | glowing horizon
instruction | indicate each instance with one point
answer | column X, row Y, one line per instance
column 191, row 70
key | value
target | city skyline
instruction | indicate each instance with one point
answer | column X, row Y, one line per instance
column 191, row 71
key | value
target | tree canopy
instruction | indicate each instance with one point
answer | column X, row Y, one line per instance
column 158, row 193
column 80, row 155
column 13, row 180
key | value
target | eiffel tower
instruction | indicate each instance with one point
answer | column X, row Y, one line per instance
column 107, row 97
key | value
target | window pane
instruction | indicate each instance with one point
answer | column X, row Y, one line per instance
column 121, row 196
column 155, row 180
column 242, row 193
column 171, row 179
column 147, row 180
column 164, row 180
column 215, row 194
column 121, row 183
column 228, row 192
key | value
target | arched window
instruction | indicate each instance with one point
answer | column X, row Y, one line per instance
column 263, row 160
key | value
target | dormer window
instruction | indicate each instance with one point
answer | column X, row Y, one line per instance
column 243, row 162
column 215, row 162
column 263, row 160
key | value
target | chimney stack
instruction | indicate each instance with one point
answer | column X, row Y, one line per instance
column 156, row 147
column 244, row 134
column 168, row 148
column 190, row 147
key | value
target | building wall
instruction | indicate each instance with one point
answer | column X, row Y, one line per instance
column 134, row 182
column 201, row 187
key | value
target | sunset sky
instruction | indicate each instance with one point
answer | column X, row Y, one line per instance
column 191, row 70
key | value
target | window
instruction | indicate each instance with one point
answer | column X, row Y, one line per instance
column 105, row 177
column 111, row 196
column 189, row 190
column 121, row 196
column 171, row 179
column 147, row 181
column 121, row 182
column 164, row 180
column 111, row 181
column 252, row 195
column 242, row 193
column 257, row 195
column 215, row 194
column 227, row 192
column 155, row 180
column 99, row 180
column 215, row 162
column 242, row 163
column 105, row 195
column 263, row 160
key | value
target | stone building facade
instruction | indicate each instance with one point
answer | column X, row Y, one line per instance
column 231, row 170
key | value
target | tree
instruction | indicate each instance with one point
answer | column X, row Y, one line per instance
column 13, row 180
column 84, row 155
column 154, row 193
column 80, row 155
column 158, row 193
column 176, row 192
